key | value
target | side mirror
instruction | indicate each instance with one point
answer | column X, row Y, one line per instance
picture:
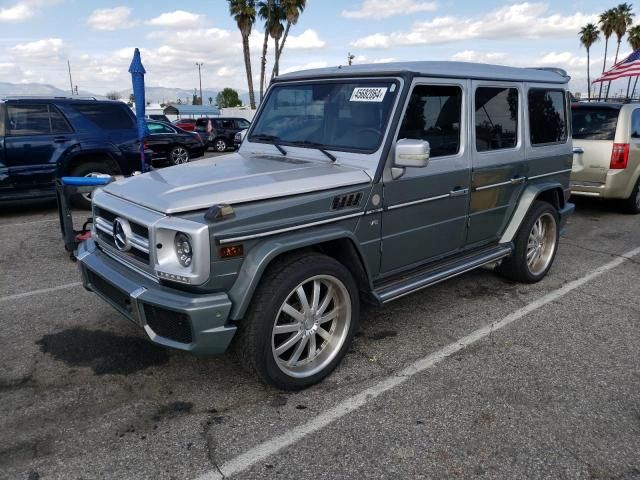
column 412, row 153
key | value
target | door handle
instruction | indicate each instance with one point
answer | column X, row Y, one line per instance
column 518, row 180
column 458, row 192
column 60, row 139
column 578, row 150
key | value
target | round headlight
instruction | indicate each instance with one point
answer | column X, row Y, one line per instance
column 184, row 250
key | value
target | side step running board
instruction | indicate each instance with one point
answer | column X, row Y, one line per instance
column 439, row 272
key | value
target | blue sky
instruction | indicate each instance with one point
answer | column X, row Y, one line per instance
column 98, row 37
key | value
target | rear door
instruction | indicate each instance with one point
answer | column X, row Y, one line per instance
column 499, row 169
column 36, row 134
column 594, row 131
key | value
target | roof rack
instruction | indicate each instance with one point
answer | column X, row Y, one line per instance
column 66, row 97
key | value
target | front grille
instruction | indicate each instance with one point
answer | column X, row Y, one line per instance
column 168, row 324
column 103, row 220
column 114, row 294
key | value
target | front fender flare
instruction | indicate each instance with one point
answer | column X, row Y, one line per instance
column 261, row 255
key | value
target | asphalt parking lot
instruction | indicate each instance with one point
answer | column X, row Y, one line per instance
column 475, row 377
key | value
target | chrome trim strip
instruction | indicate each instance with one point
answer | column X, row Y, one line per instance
column 417, row 202
column 288, row 229
column 111, row 254
column 137, row 242
column 550, row 174
column 377, row 210
column 493, row 185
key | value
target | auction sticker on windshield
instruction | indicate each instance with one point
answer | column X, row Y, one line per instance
column 368, row 94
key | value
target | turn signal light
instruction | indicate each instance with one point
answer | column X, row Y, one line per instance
column 231, row 251
column 619, row 156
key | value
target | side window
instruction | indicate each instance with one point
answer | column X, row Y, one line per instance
column 496, row 118
column 433, row 114
column 635, row 123
column 547, row 116
column 107, row 116
column 243, row 124
column 28, row 120
column 227, row 123
column 58, row 122
column 155, row 127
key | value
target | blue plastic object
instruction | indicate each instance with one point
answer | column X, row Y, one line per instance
column 86, row 181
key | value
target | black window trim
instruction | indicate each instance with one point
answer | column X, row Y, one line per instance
column 425, row 82
column 519, row 128
column 566, row 117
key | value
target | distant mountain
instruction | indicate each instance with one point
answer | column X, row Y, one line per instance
column 38, row 89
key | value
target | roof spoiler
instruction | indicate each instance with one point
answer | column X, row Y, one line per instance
column 559, row 71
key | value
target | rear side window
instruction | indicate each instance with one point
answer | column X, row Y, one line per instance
column 28, row 120
column 158, row 128
column 595, row 123
column 58, row 122
column 496, row 118
column 243, row 123
column 226, row 123
column 107, row 116
column 635, row 123
column 433, row 114
column 547, row 116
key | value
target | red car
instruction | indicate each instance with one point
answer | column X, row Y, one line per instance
column 188, row 124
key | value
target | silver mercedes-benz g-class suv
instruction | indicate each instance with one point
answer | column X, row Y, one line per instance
column 355, row 183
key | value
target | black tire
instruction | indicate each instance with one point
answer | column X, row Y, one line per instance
column 179, row 154
column 632, row 204
column 83, row 170
column 253, row 342
column 516, row 267
column 220, row 145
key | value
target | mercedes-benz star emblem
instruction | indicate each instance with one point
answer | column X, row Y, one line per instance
column 121, row 234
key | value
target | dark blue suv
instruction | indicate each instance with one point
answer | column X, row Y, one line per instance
column 44, row 137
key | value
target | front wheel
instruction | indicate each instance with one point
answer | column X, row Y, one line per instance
column 220, row 145
column 536, row 245
column 301, row 322
column 179, row 155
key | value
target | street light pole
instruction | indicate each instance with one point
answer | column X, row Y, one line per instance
column 199, row 65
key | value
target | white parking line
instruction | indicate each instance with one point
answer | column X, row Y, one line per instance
column 274, row 445
column 38, row 292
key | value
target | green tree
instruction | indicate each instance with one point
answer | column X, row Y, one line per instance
column 623, row 18
column 265, row 10
column 132, row 100
column 228, row 97
column 589, row 34
column 113, row 95
column 244, row 13
column 606, row 22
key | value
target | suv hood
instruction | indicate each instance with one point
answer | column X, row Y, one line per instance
column 232, row 179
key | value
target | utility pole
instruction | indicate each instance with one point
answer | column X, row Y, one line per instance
column 199, row 65
column 350, row 58
column 70, row 81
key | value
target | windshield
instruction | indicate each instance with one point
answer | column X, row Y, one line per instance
column 349, row 115
column 594, row 123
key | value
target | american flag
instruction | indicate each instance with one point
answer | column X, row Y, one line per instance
column 629, row 67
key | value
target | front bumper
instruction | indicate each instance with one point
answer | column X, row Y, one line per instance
column 172, row 318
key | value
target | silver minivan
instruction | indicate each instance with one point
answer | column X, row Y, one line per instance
column 606, row 152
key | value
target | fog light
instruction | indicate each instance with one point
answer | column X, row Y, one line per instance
column 184, row 250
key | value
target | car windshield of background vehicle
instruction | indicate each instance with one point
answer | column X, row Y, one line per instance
column 594, row 123
column 348, row 116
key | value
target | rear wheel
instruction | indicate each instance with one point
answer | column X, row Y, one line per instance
column 220, row 145
column 536, row 244
column 88, row 169
column 300, row 323
column 632, row 204
column 179, row 155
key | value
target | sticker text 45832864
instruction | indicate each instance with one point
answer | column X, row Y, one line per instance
column 368, row 94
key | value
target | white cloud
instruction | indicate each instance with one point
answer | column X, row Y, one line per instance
column 226, row 72
column 45, row 48
column 110, row 19
column 306, row 66
column 179, row 18
column 523, row 20
column 473, row 56
column 307, row 39
column 24, row 10
column 384, row 60
column 378, row 9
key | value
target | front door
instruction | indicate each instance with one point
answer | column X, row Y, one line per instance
column 425, row 214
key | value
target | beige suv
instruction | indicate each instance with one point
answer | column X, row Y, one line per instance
column 606, row 152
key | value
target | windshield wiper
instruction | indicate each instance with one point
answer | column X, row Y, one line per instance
column 317, row 146
column 269, row 138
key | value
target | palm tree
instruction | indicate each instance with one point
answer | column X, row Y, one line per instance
column 265, row 10
column 589, row 34
column 276, row 29
column 633, row 37
column 244, row 13
column 292, row 10
column 606, row 22
column 623, row 18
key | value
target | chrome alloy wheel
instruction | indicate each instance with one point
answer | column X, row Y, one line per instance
column 311, row 326
column 179, row 155
column 220, row 145
column 541, row 244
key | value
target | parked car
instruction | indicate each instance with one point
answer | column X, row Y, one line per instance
column 363, row 183
column 159, row 117
column 41, row 137
column 188, row 124
column 171, row 145
column 606, row 153
column 237, row 139
column 223, row 131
